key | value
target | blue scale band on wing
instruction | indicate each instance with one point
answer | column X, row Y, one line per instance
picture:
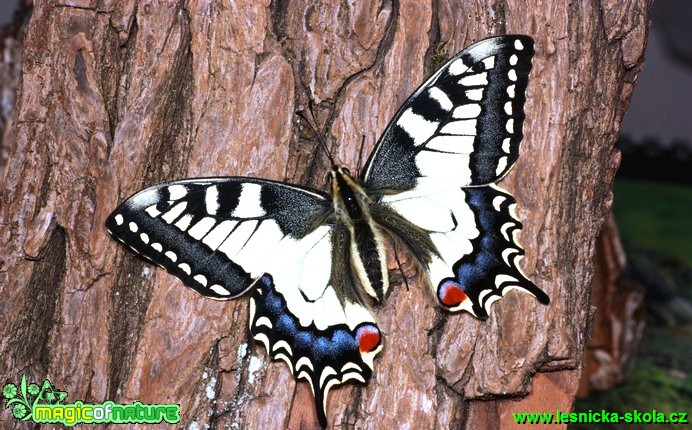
column 337, row 347
column 484, row 274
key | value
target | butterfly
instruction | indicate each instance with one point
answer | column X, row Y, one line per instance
column 314, row 262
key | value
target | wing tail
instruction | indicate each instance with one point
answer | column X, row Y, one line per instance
column 491, row 269
column 324, row 354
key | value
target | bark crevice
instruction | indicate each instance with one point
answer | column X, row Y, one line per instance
column 31, row 330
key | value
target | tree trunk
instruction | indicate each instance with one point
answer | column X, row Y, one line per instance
column 619, row 321
column 118, row 95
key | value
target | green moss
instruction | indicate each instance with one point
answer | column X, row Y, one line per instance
column 669, row 346
column 649, row 388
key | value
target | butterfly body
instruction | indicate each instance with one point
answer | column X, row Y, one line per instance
column 309, row 258
column 367, row 251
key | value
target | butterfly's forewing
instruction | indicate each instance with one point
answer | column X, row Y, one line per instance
column 222, row 236
column 461, row 127
column 459, row 132
column 213, row 233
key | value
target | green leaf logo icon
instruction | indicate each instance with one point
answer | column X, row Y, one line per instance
column 50, row 395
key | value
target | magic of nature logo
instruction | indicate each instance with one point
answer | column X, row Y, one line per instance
column 44, row 405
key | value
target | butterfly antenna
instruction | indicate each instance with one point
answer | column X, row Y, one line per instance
column 315, row 133
column 360, row 154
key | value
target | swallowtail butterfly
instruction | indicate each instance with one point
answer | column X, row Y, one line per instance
column 309, row 258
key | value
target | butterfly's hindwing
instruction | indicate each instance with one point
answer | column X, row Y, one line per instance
column 463, row 126
column 492, row 268
column 213, row 233
column 324, row 355
column 474, row 231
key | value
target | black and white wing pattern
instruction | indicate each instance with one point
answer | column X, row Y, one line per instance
column 224, row 236
column 474, row 230
column 213, row 233
column 436, row 162
column 463, row 126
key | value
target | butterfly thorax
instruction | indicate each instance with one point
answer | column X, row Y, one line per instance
column 367, row 252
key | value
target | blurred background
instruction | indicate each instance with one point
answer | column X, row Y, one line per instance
column 639, row 355
column 640, row 350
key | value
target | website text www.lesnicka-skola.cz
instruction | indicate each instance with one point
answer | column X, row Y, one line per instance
column 602, row 416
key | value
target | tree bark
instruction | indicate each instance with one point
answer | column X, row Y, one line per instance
column 118, row 95
column 619, row 320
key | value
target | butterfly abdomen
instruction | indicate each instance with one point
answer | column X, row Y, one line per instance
column 370, row 255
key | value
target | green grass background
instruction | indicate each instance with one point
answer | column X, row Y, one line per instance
column 655, row 216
